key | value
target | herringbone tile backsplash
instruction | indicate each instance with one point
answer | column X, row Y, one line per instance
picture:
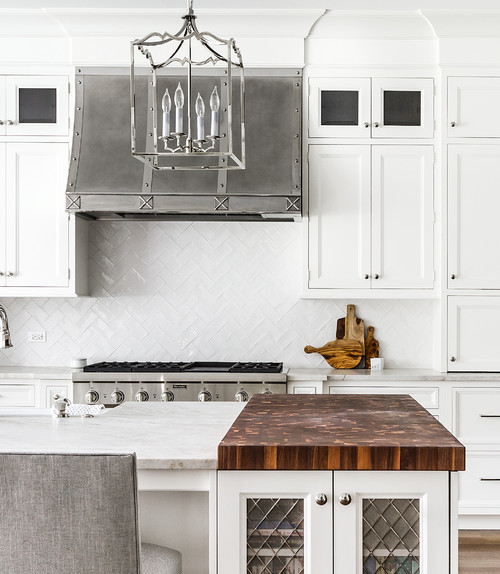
column 203, row 291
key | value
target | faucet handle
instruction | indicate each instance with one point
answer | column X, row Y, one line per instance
column 60, row 405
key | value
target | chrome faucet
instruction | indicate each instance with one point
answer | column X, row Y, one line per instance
column 5, row 341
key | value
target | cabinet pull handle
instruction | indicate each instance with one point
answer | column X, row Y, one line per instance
column 1, row 122
column 1, row 273
column 453, row 124
column 453, row 359
column 10, row 123
column 490, row 416
column 366, row 124
column 321, row 499
column 489, row 479
column 10, row 274
column 366, row 276
column 376, row 276
column 376, row 125
column 345, row 499
column 453, row 276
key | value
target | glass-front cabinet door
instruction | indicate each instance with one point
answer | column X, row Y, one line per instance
column 339, row 107
column 274, row 522
column 34, row 105
column 402, row 107
column 393, row 522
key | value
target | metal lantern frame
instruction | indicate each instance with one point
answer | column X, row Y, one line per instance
column 183, row 144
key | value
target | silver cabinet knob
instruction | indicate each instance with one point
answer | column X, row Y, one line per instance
column 1, row 122
column 10, row 274
column 1, row 273
column 453, row 124
column 10, row 123
column 366, row 276
column 141, row 396
column 345, row 499
column 321, row 499
column 376, row 276
column 241, row 396
column 376, row 125
column 452, row 276
column 117, row 396
column 204, row 396
column 91, row 397
column 453, row 359
column 167, row 396
column 366, row 124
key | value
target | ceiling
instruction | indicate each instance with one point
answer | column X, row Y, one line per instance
column 370, row 5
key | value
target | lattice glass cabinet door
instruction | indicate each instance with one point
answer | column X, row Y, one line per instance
column 274, row 522
column 391, row 522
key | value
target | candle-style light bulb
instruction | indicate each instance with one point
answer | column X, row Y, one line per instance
column 199, row 108
column 214, row 106
column 179, row 104
column 166, row 104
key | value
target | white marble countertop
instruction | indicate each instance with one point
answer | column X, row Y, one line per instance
column 163, row 435
column 324, row 374
column 35, row 373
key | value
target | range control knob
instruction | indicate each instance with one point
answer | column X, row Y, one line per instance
column 167, row 396
column 267, row 392
column 241, row 396
column 91, row 397
column 141, row 396
column 204, row 396
column 117, row 396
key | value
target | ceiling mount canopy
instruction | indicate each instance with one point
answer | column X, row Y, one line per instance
column 191, row 115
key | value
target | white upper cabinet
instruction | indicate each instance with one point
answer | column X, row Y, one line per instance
column 34, row 105
column 371, row 217
column 376, row 107
column 473, row 107
column 473, row 206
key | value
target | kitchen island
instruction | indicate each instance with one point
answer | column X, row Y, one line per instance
column 295, row 450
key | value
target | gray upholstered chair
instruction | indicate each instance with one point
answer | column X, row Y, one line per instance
column 74, row 514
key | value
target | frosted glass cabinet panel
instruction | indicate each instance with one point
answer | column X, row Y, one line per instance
column 390, row 522
column 271, row 523
column 34, row 105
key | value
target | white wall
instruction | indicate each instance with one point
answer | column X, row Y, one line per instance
column 203, row 290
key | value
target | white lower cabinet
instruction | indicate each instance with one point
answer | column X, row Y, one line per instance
column 345, row 522
column 18, row 394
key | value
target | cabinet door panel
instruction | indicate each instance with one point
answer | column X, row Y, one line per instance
column 269, row 522
column 473, row 205
column 473, row 335
column 402, row 217
column 37, row 105
column 37, row 225
column 473, row 107
column 477, row 415
column 402, row 107
column 395, row 521
column 339, row 216
column 3, row 216
column 339, row 107
column 3, row 116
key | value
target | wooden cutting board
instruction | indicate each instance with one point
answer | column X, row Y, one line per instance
column 351, row 328
column 344, row 354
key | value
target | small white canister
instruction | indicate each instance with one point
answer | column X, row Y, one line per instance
column 377, row 364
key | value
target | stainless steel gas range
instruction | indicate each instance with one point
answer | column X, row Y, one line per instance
column 111, row 383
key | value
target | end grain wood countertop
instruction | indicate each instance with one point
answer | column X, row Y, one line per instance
column 338, row 432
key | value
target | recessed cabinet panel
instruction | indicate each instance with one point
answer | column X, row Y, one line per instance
column 37, row 225
column 473, row 333
column 473, row 206
column 402, row 107
column 3, row 112
column 402, row 217
column 339, row 107
column 477, row 415
column 36, row 105
column 473, row 107
column 390, row 522
column 3, row 216
column 339, row 216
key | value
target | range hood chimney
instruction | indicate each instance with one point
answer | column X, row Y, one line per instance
column 106, row 182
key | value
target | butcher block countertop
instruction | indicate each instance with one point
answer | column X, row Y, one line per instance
column 338, row 432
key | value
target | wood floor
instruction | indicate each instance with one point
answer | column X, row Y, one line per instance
column 479, row 552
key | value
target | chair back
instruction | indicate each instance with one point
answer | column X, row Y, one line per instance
column 68, row 513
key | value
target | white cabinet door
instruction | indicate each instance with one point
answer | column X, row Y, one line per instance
column 3, row 117
column 393, row 521
column 473, row 107
column 339, row 216
column 402, row 217
column 473, row 333
column 36, row 105
column 3, row 215
column 473, row 206
column 37, row 226
column 269, row 521
column 339, row 107
column 402, row 107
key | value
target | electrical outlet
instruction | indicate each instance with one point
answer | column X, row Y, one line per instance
column 37, row 337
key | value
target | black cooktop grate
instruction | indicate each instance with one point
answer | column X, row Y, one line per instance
column 179, row 367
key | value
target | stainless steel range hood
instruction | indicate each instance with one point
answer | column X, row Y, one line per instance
column 106, row 182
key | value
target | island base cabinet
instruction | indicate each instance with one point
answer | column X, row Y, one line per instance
column 396, row 521
column 273, row 522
